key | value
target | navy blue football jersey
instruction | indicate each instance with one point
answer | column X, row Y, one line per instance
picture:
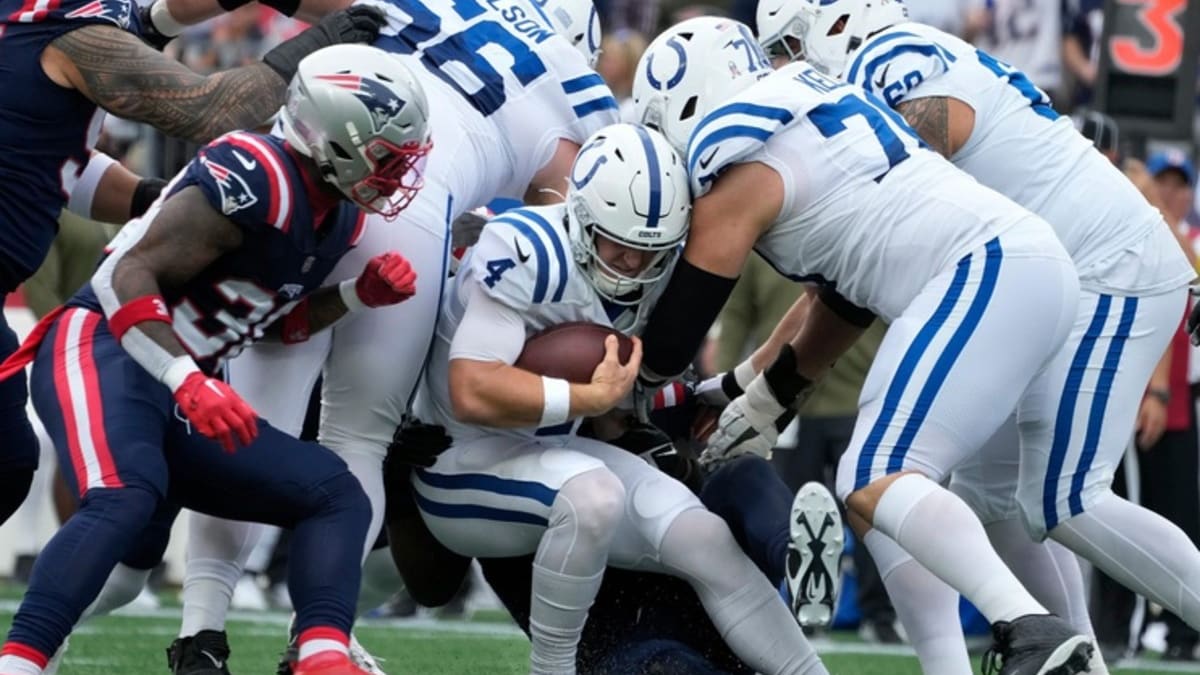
column 288, row 246
column 46, row 131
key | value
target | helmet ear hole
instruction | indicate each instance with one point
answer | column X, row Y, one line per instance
column 689, row 108
column 339, row 150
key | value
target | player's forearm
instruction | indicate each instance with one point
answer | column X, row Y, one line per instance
column 320, row 310
column 822, row 339
column 787, row 329
column 502, row 396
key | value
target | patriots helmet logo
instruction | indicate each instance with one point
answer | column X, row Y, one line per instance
column 235, row 192
column 383, row 105
column 117, row 11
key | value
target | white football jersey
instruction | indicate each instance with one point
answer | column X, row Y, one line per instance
column 523, row 260
column 496, row 73
column 1026, row 151
column 866, row 206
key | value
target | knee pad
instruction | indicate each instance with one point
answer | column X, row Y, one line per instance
column 595, row 499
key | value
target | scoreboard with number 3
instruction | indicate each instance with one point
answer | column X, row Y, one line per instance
column 1148, row 55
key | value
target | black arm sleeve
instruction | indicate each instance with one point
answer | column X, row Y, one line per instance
column 846, row 310
column 681, row 318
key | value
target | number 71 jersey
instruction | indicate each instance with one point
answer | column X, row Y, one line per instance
column 866, row 207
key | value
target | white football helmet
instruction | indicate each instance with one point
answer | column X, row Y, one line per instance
column 628, row 186
column 831, row 30
column 361, row 115
column 577, row 21
column 690, row 69
column 777, row 21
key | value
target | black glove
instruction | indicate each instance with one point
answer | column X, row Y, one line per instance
column 359, row 23
column 147, row 190
column 655, row 446
column 1193, row 321
column 150, row 34
column 416, row 443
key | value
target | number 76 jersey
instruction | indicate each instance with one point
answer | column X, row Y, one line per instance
column 867, row 207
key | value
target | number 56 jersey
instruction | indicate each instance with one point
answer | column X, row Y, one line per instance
column 503, row 88
column 1023, row 149
column 867, row 208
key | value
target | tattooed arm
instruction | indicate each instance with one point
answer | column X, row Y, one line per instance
column 944, row 123
column 113, row 68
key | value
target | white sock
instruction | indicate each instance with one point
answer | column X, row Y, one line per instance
column 748, row 612
column 943, row 534
column 16, row 665
column 207, row 590
column 1048, row 570
column 569, row 567
column 217, row 551
column 925, row 605
column 1140, row 549
column 123, row 585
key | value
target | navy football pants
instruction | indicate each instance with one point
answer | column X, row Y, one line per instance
column 18, row 444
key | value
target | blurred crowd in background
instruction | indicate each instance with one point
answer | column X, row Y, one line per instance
column 1052, row 41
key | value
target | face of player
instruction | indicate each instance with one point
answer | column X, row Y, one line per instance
column 621, row 258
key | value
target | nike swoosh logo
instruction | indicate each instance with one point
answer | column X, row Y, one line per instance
column 774, row 11
column 705, row 161
column 520, row 254
column 217, row 663
column 882, row 81
column 248, row 164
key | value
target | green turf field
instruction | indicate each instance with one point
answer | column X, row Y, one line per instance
column 134, row 645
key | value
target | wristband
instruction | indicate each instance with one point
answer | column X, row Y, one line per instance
column 178, row 371
column 735, row 381
column 144, row 195
column 556, row 401
column 84, row 191
column 781, row 376
column 160, row 17
column 145, row 308
column 349, row 294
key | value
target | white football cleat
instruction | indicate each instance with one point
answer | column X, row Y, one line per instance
column 362, row 658
column 814, row 555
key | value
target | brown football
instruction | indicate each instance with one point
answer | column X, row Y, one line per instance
column 571, row 351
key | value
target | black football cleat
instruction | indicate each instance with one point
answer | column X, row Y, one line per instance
column 205, row 653
column 1037, row 644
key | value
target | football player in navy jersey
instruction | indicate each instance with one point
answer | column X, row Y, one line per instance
column 63, row 63
column 125, row 376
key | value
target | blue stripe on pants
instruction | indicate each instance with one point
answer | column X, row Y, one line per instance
column 945, row 361
column 1066, row 412
column 488, row 483
column 1096, row 416
column 907, row 365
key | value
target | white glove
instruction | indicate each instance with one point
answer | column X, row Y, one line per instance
column 747, row 425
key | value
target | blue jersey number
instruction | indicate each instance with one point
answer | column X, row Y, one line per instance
column 830, row 120
column 1037, row 98
column 462, row 50
column 496, row 268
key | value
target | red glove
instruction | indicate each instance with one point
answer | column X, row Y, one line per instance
column 216, row 410
column 388, row 279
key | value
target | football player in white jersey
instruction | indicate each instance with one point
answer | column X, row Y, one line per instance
column 991, row 121
column 831, row 186
column 517, row 480
column 511, row 100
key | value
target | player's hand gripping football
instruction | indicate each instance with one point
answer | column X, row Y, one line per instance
column 388, row 279
column 611, row 381
column 216, row 410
